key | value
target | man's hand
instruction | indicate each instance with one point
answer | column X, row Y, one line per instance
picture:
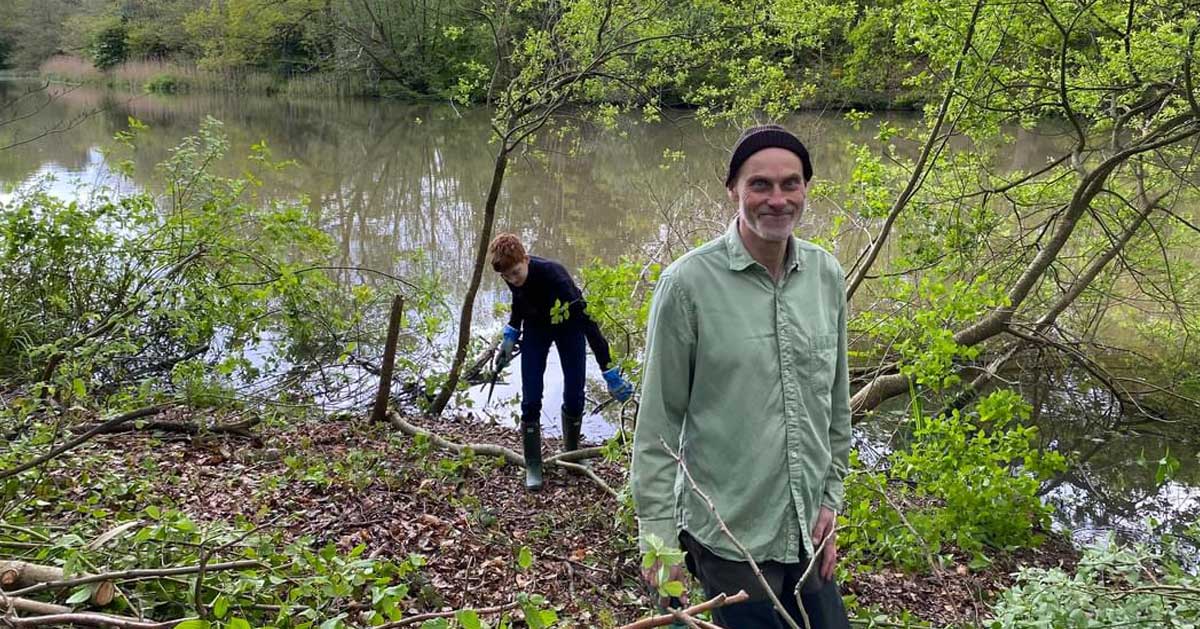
column 674, row 573
column 826, row 525
column 507, row 346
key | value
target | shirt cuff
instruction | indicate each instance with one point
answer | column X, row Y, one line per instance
column 664, row 528
column 834, row 495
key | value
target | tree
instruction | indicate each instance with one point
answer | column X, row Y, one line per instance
column 550, row 55
column 415, row 47
column 255, row 33
column 27, row 103
column 35, row 30
column 1032, row 254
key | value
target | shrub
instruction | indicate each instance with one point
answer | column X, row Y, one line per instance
column 163, row 84
column 970, row 479
column 1112, row 586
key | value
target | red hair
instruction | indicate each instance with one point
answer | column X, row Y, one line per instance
column 506, row 251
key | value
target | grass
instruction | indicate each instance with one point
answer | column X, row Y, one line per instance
column 70, row 68
column 162, row 76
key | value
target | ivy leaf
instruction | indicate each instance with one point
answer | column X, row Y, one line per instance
column 193, row 623
column 238, row 623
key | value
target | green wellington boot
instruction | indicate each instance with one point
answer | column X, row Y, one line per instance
column 572, row 425
column 531, row 431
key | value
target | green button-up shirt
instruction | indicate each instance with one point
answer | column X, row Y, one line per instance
column 747, row 378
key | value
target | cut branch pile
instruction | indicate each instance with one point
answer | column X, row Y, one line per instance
column 19, row 579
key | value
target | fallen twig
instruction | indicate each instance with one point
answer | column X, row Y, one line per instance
column 719, row 600
column 25, row 605
column 432, row 615
column 86, row 619
column 564, row 460
column 240, row 428
column 733, row 538
column 587, row 471
column 136, row 574
column 17, row 574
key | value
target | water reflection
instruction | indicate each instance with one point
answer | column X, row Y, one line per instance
column 400, row 187
column 1114, row 487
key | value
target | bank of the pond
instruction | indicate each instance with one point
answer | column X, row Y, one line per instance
column 396, row 187
column 344, row 482
column 169, row 77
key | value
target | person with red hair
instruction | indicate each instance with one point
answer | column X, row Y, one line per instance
column 549, row 309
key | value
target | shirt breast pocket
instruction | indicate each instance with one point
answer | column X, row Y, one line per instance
column 823, row 361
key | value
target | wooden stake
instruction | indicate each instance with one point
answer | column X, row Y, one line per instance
column 379, row 413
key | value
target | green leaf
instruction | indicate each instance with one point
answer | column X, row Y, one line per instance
column 673, row 588
column 524, row 558
column 238, row 623
column 220, row 607
column 192, row 623
column 80, row 595
column 468, row 619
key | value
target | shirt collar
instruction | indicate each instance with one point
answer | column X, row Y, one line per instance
column 740, row 258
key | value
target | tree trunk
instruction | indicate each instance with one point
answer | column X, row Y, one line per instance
column 994, row 323
column 464, row 320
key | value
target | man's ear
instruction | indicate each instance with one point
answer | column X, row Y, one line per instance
column 732, row 192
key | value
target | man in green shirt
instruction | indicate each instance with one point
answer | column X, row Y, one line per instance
column 746, row 378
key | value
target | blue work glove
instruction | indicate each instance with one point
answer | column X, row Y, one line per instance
column 508, row 344
column 618, row 387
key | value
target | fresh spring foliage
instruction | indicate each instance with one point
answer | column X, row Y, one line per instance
column 618, row 300
column 967, row 479
column 285, row 585
column 107, row 292
column 665, row 558
column 1112, row 586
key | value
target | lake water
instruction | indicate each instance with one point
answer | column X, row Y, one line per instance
column 391, row 180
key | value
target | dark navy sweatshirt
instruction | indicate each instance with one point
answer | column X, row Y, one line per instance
column 532, row 302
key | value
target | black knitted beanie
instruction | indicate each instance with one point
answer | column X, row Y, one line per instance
column 765, row 136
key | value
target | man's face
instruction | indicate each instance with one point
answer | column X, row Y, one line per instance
column 770, row 192
column 517, row 273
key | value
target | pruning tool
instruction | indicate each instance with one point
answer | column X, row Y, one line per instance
column 498, row 365
column 602, row 405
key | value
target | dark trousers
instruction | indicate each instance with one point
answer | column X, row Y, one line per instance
column 821, row 599
column 572, row 353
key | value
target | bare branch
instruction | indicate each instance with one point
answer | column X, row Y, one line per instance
column 146, row 411
column 919, row 168
column 719, row 600
column 124, row 575
column 412, row 620
column 732, row 538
